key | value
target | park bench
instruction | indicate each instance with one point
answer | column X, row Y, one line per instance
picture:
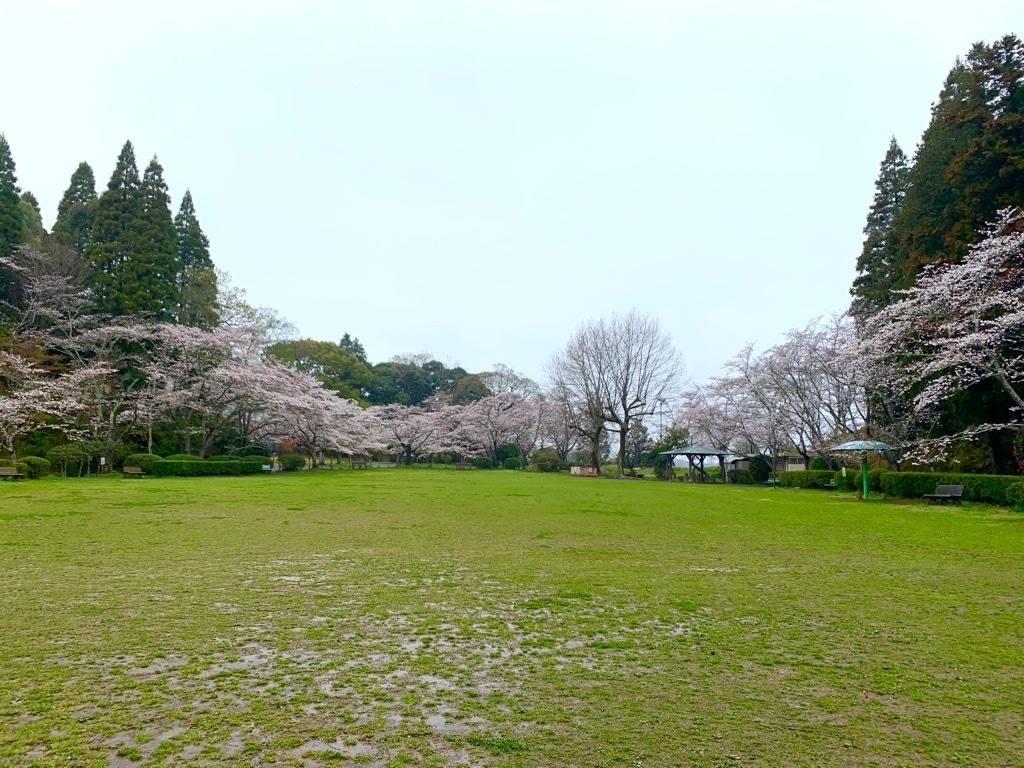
column 10, row 473
column 266, row 468
column 463, row 465
column 358, row 464
column 772, row 481
column 830, row 485
column 944, row 493
column 132, row 471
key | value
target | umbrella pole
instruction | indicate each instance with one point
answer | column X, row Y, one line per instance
column 864, row 472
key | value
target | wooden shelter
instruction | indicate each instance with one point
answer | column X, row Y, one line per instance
column 696, row 455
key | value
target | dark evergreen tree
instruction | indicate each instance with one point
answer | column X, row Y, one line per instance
column 879, row 267
column 152, row 277
column 76, row 212
column 10, row 201
column 353, row 345
column 114, row 240
column 197, row 284
column 33, row 233
column 133, row 255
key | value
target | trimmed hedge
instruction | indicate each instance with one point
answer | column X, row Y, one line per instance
column 35, row 467
column 170, row 468
column 1015, row 495
column 183, row 457
column 913, row 485
column 143, row 461
column 808, row 478
column 852, row 481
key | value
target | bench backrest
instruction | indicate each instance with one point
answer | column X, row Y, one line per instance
column 9, row 471
column 950, row 490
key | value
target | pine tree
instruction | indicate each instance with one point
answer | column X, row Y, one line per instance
column 198, row 279
column 114, row 240
column 33, row 233
column 879, row 267
column 76, row 212
column 151, row 278
column 10, row 209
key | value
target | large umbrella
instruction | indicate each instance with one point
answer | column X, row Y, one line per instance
column 864, row 446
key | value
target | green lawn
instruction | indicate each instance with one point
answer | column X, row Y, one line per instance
column 400, row 617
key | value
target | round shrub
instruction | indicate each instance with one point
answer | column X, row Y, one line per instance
column 143, row 461
column 292, row 462
column 512, row 463
column 183, row 457
column 741, row 476
column 35, row 467
column 546, row 460
column 818, row 463
column 483, row 462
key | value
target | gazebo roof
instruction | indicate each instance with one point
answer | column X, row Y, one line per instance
column 696, row 450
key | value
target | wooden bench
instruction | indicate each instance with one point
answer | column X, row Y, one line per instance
column 266, row 468
column 830, row 485
column 463, row 465
column 358, row 464
column 132, row 471
column 944, row 493
column 772, row 481
column 10, row 473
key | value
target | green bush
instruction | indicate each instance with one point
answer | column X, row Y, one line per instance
column 852, row 481
column 914, row 485
column 183, row 457
column 760, row 468
column 809, row 478
column 741, row 476
column 21, row 466
column 227, row 458
column 170, row 468
column 818, row 463
column 143, row 461
column 509, row 451
column 483, row 462
column 546, row 460
column 292, row 462
column 35, row 467
column 1015, row 495
column 512, row 463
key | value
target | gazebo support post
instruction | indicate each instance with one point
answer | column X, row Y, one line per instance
column 864, row 472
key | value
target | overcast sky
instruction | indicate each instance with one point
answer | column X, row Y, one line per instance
column 474, row 179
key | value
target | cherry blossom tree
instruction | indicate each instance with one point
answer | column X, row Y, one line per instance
column 410, row 430
column 958, row 326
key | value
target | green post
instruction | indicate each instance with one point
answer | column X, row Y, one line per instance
column 864, row 472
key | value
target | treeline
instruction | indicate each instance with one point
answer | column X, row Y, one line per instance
column 132, row 259
column 968, row 166
column 927, row 214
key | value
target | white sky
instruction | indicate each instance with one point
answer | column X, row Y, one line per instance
column 474, row 179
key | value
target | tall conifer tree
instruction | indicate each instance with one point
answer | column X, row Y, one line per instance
column 76, row 212
column 114, row 239
column 879, row 266
column 198, row 280
column 33, row 233
column 152, row 276
column 10, row 208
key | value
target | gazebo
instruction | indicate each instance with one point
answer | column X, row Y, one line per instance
column 696, row 454
column 863, row 447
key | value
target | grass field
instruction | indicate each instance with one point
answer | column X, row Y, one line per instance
column 431, row 618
